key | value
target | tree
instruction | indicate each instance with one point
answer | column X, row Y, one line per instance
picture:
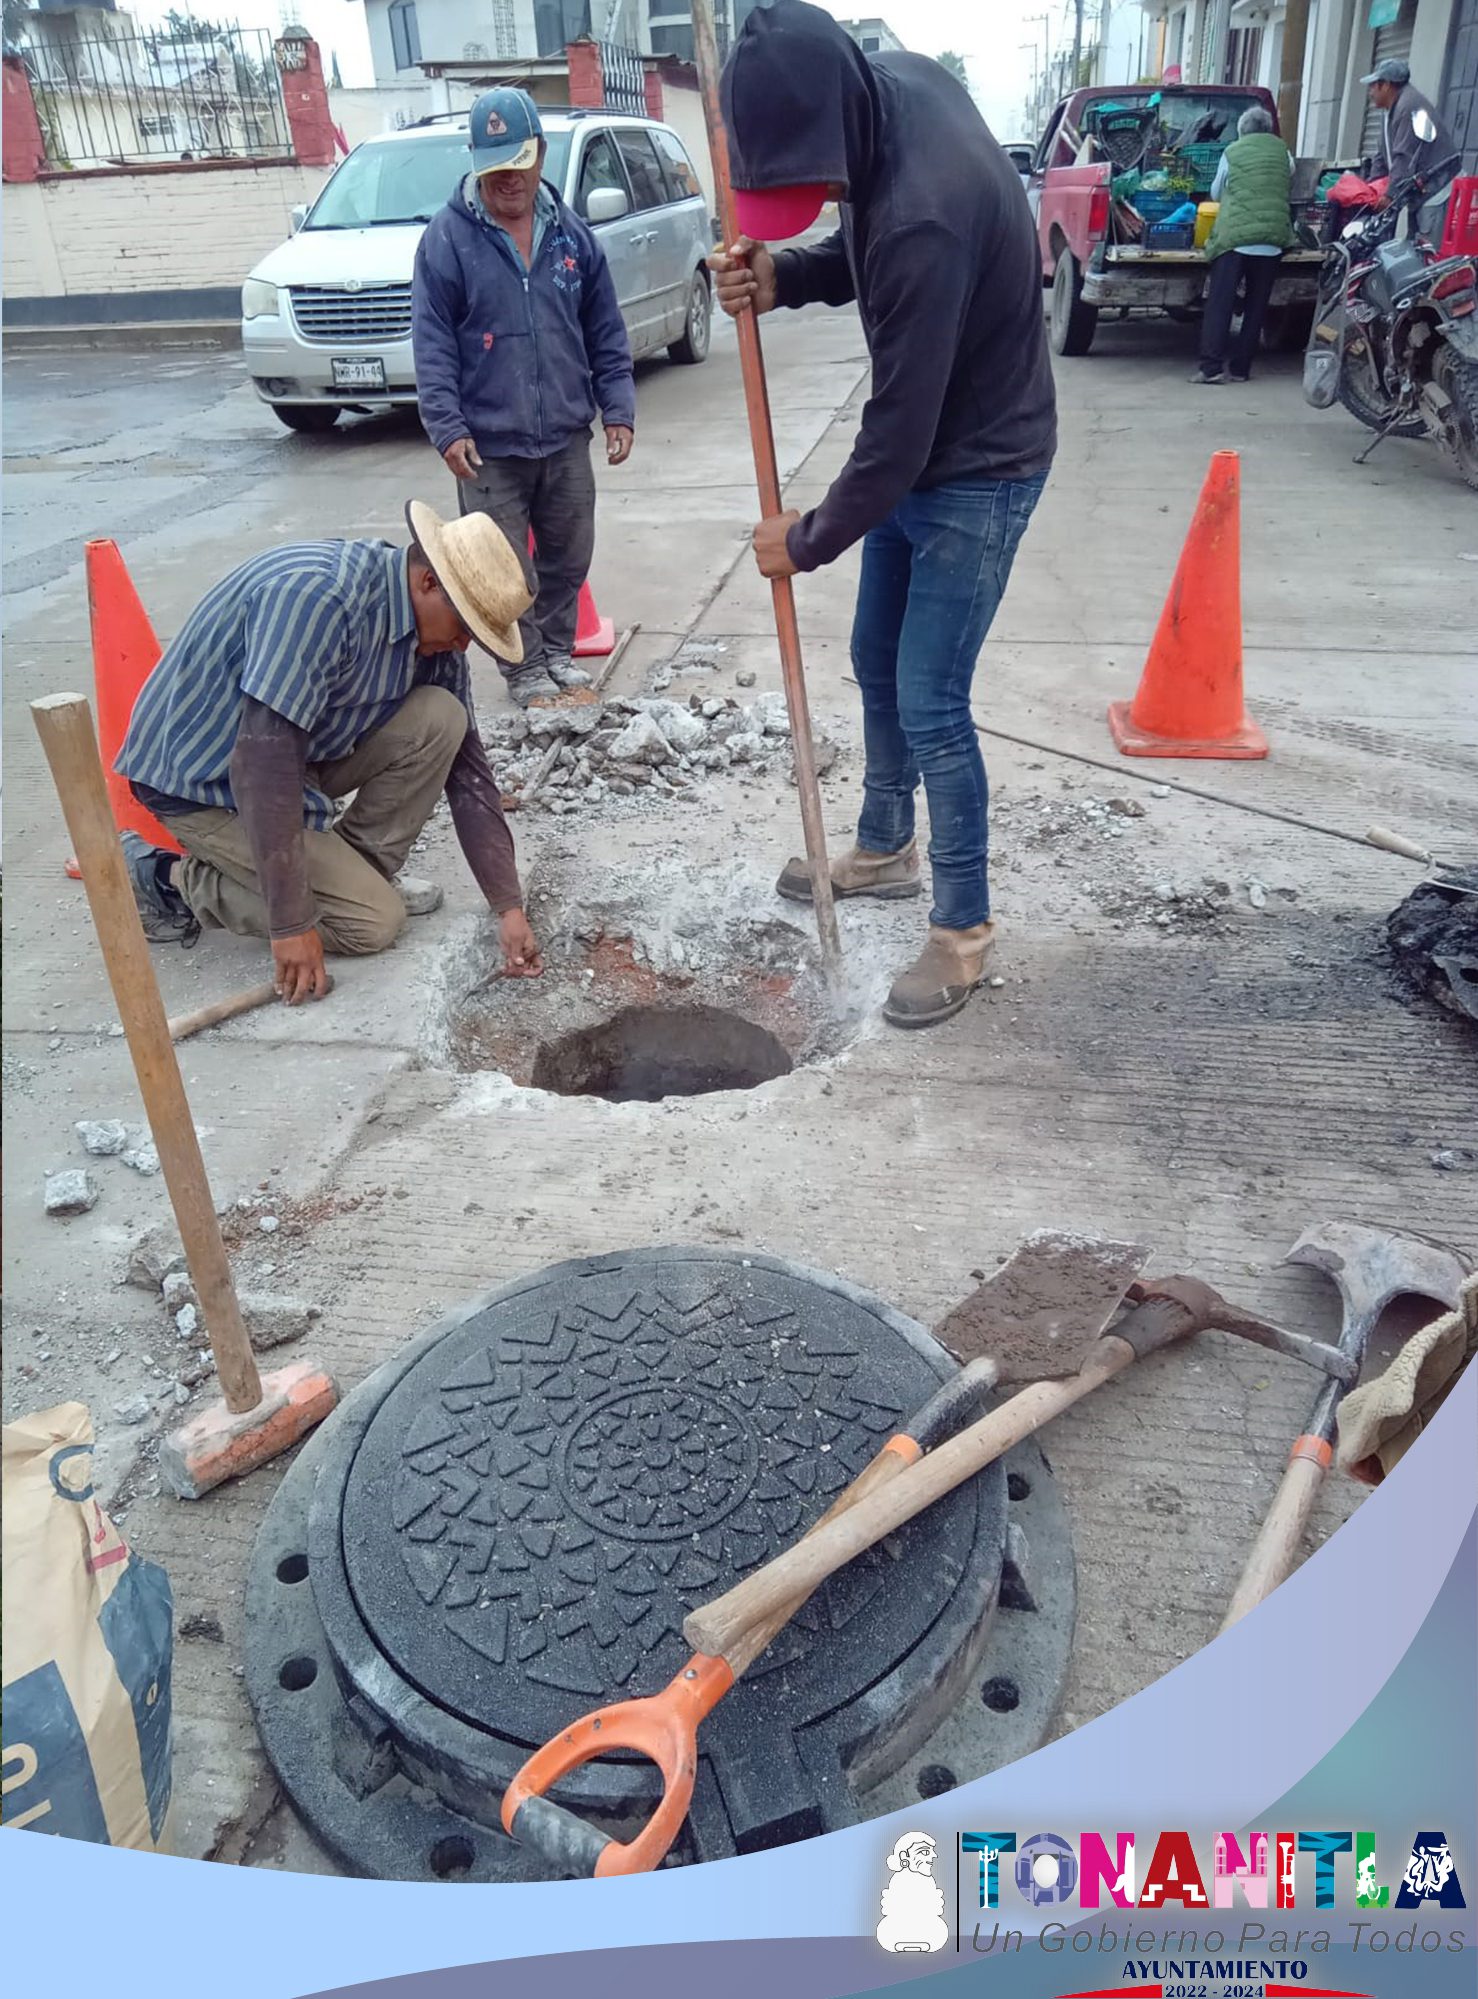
column 15, row 23
column 955, row 65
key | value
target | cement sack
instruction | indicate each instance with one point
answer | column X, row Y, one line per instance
column 88, row 1639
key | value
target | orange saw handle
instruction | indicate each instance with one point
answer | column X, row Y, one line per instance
column 664, row 1727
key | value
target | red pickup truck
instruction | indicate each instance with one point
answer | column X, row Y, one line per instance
column 1110, row 169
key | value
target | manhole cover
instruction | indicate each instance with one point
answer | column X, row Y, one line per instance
column 510, row 1522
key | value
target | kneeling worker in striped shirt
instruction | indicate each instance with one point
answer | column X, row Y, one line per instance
column 313, row 671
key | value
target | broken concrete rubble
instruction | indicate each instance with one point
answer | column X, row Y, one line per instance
column 273, row 1321
column 617, row 748
column 102, row 1138
column 72, row 1192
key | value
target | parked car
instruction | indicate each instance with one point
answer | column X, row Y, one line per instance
column 1111, row 168
column 326, row 318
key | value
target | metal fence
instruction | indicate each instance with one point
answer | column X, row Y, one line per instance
column 625, row 86
column 117, row 100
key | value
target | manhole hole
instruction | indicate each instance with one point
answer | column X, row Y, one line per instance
column 648, row 992
column 650, row 1052
column 506, row 1525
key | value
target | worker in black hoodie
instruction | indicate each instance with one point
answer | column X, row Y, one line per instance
column 937, row 249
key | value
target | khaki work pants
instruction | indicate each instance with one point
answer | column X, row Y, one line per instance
column 396, row 774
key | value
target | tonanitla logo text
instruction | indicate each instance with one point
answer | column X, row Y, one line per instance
column 1257, row 1870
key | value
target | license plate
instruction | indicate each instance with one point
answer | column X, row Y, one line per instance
column 359, row 374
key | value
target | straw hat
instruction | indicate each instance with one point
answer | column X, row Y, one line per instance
column 480, row 570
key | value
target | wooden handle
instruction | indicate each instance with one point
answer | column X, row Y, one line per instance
column 183, row 1025
column 951, row 1405
column 64, row 724
column 715, row 1626
column 746, row 1646
column 1395, row 843
column 767, row 479
column 1275, row 1550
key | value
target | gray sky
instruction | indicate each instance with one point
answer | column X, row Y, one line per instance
column 987, row 33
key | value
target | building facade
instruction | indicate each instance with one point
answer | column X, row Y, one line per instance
column 405, row 33
column 1242, row 42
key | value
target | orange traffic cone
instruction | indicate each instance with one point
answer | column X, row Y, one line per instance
column 124, row 653
column 1189, row 702
column 595, row 636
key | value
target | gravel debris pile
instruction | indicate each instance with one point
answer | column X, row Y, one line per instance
column 1096, row 840
column 653, row 747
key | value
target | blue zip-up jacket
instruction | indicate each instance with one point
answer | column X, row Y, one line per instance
column 518, row 360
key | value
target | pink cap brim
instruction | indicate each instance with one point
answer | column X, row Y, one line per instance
column 769, row 214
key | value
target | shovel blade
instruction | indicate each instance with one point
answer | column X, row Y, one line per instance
column 1041, row 1312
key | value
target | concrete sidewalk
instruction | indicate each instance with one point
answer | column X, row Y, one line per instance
column 1210, row 1084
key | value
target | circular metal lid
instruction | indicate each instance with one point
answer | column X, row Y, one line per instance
column 542, row 1496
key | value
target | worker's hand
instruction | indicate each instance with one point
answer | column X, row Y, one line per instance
column 521, row 957
column 298, row 970
column 744, row 277
column 462, row 459
column 619, row 441
column 770, row 551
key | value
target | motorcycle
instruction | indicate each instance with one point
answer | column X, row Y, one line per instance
column 1395, row 333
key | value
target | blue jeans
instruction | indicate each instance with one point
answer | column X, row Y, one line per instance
column 932, row 576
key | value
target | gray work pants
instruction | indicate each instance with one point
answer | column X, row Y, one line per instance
column 554, row 496
column 396, row 774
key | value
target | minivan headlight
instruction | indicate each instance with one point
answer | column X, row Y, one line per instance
column 258, row 299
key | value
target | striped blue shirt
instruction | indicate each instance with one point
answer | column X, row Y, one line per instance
column 321, row 631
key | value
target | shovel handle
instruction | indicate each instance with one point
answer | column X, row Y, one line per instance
column 1155, row 1323
column 1275, row 1550
column 183, row 1025
column 1396, row 843
column 664, row 1726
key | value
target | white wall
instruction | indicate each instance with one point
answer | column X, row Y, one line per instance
column 1429, row 45
column 389, row 107
column 125, row 232
column 683, row 111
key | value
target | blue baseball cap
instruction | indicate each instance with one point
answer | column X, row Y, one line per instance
column 505, row 132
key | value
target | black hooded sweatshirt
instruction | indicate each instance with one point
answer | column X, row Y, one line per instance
column 937, row 247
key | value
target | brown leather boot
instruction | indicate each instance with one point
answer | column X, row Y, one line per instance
column 889, row 877
column 941, row 979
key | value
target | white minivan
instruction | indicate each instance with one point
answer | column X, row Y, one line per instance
column 326, row 318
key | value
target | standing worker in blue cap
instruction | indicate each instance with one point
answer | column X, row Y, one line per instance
column 519, row 344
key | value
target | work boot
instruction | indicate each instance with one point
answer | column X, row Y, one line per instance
column 889, row 877
column 563, row 671
column 941, row 979
column 419, row 895
column 530, row 686
column 166, row 916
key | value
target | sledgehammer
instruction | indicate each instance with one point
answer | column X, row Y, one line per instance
column 261, row 1415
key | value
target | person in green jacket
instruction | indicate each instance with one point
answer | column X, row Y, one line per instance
column 1252, row 230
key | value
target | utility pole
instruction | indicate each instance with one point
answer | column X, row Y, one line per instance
column 1077, row 44
column 1034, row 117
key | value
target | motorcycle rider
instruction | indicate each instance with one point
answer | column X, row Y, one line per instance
column 1419, row 148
